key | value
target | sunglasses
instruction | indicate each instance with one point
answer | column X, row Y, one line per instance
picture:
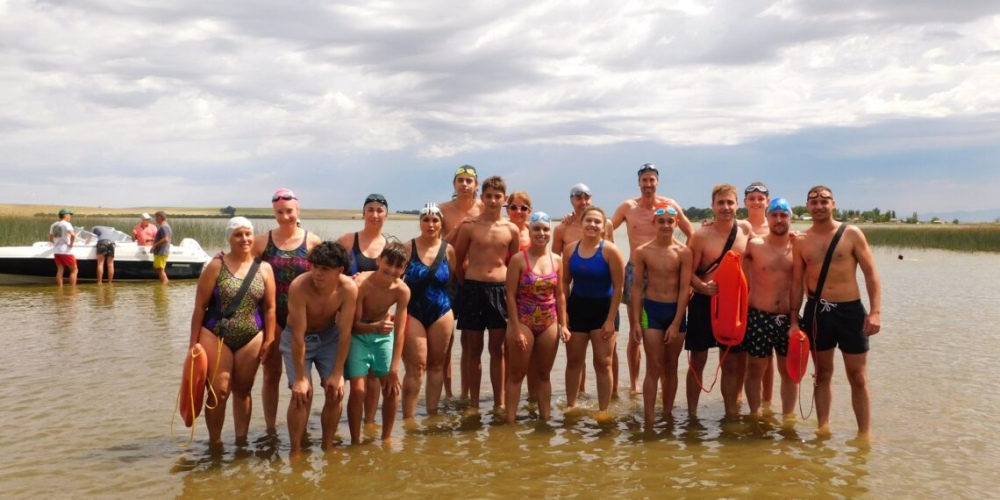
column 519, row 208
column 649, row 167
column 466, row 169
column 285, row 197
column 756, row 187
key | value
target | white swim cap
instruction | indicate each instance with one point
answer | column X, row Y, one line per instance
column 236, row 223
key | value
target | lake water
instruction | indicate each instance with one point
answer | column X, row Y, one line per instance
column 90, row 378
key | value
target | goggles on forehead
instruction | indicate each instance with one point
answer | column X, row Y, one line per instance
column 468, row 170
column 815, row 195
column 285, row 197
column 540, row 218
column 760, row 188
column 648, row 167
column 660, row 212
column 376, row 198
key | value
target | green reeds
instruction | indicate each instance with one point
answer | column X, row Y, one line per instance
column 22, row 231
column 960, row 238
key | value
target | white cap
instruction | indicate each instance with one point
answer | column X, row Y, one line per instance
column 579, row 189
column 145, row 216
column 236, row 223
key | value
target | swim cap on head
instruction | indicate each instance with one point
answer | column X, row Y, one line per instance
column 430, row 208
column 375, row 198
column 580, row 189
column 236, row 223
column 779, row 204
column 540, row 218
column 285, row 194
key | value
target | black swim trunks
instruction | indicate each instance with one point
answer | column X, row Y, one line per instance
column 840, row 324
column 106, row 248
column 766, row 332
column 699, row 324
column 482, row 305
column 587, row 313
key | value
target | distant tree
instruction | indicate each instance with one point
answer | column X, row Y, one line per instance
column 799, row 210
column 912, row 219
column 228, row 211
column 954, row 221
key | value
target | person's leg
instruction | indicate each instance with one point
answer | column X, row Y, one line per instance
column 73, row 271
column 464, row 388
column 695, row 375
column 756, row 367
column 100, row 267
column 857, row 375
column 389, row 406
column 768, row 382
column 269, row 391
column 371, row 398
column 671, row 357
column 532, row 380
column 245, row 364
column 518, row 364
column 789, row 389
column 111, row 267
column 652, row 342
column 496, row 365
column 576, row 354
column 355, row 406
column 543, row 356
column 415, row 362
column 220, row 367
column 439, row 338
column 603, row 353
column 472, row 363
column 633, row 356
column 824, row 389
column 734, row 368
column 333, row 406
column 297, row 414
column 59, row 273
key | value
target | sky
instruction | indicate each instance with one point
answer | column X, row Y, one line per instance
column 892, row 103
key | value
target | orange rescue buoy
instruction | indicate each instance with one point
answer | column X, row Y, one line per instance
column 192, row 392
column 798, row 355
column 730, row 305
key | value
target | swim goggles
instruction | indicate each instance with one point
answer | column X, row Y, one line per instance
column 815, row 194
column 648, row 167
column 376, row 198
column 540, row 218
column 283, row 194
column 760, row 188
column 660, row 212
column 430, row 208
column 468, row 170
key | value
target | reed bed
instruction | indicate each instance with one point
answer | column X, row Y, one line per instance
column 960, row 238
column 21, row 231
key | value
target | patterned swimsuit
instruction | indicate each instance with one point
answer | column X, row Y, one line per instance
column 287, row 264
column 246, row 321
column 536, row 297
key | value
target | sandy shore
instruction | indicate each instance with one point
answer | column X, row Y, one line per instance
column 14, row 209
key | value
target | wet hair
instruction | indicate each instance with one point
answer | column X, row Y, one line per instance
column 724, row 189
column 818, row 188
column 495, row 183
column 593, row 208
column 519, row 194
column 330, row 254
column 394, row 253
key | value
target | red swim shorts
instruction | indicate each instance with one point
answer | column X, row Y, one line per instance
column 67, row 260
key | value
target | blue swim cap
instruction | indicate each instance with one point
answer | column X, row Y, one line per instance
column 540, row 218
column 779, row 204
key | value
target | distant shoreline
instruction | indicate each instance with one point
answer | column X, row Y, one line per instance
column 29, row 210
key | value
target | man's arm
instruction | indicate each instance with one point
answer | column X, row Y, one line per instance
column 798, row 271
column 682, row 221
column 557, row 239
column 619, row 216
column 683, row 294
column 402, row 302
column 635, row 311
column 296, row 320
column 514, row 247
column 609, row 231
column 863, row 253
column 345, row 320
column 268, row 307
column 461, row 244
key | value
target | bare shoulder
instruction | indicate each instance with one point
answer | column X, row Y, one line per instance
column 346, row 239
column 745, row 227
column 312, row 240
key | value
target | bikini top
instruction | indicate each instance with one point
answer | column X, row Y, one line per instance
column 359, row 261
column 591, row 275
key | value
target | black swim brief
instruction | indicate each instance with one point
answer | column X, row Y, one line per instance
column 839, row 324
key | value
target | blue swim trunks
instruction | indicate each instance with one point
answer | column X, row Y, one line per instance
column 370, row 351
column 659, row 315
column 321, row 350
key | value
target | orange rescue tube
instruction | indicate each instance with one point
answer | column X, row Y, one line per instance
column 730, row 305
column 193, row 377
column 798, row 355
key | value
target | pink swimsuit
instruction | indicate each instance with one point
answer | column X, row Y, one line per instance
column 536, row 297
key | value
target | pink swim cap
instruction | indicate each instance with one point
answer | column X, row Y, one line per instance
column 285, row 194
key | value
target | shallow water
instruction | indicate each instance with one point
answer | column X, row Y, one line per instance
column 88, row 397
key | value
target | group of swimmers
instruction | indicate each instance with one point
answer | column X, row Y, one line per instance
column 378, row 315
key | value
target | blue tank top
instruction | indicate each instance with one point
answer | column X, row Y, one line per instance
column 591, row 276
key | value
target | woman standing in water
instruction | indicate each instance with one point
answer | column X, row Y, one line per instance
column 431, row 263
column 536, row 317
column 596, row 270
column 285, row 249
column 234, row 346
column 364, row 247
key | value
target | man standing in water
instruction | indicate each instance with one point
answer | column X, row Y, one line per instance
column 767, row 264
column 708, row 246
column 161, row 245
column 637, row 212
column 62, row 236
column 453, row 212
column 482, row 300
column 321, row 305
column 756, row 198
column 836, row 317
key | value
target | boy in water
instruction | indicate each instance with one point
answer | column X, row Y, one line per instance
column 666, row 265
column 374, row 346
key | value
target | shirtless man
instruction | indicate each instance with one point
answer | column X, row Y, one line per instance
column 570, row 231
column 667, row 265
column 637, row 212
column 839, row 318
column 464, row 205
column 707, row 245
column 767, row 264
column 756, row 198
column 321, row 304
column 482, row 300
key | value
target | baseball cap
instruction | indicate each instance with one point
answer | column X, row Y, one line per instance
column 146, row 216
column 579, row 189
column 65, row 211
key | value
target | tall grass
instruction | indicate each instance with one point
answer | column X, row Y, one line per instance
column 961, row 238
column 19, row 231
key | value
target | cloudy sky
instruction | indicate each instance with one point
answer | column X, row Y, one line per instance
column 893, row 103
